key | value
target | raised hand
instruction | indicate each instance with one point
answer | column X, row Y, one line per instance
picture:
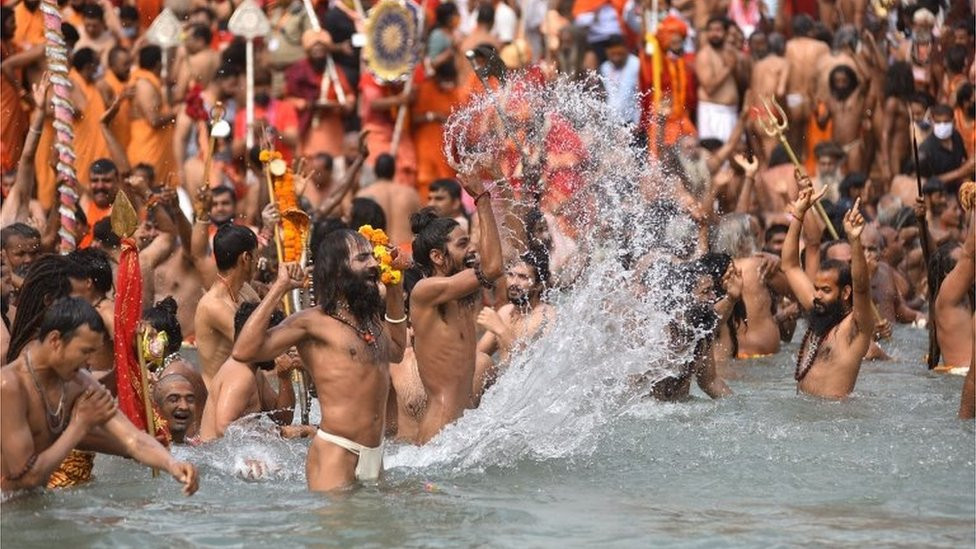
column 748, row 166
column 363, row 149
column 854, row 222
column 203, row 202
column 732, row 282
column 270, row 216
column 472, row 184
column 39, row 90
column 290, row 276
column 805, row 199
column 287, row 362
column 802, row 179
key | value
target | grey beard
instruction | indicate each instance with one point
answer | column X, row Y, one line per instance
column 698, row 176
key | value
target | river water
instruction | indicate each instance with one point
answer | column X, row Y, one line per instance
column 889, row 467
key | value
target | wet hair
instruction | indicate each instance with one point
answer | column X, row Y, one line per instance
column 91, row 264
column 853, row 180
column 847, row 71
column 323, row 228
column 150, row 57
column 365, row 211
column 444, row 13
column 92, row 11
column 448, row 185
column 83, row 58
column 899, row 81
column 201, row 32
column 537, row 257
column 802, row 25
column 385, row 166
column 843, row 272
column 776, row 43
column 431, row 232
column 714, row 266
column 331, row 273
column 102, row 166
column 162, row 317
column 733, row 236
column 70, row 34
column 18, row 229
column 46, row 282
column 941, row 264
column 240, row 318
column 68, row 314
column 102, row 232
column 711, row 144
column 230, row 242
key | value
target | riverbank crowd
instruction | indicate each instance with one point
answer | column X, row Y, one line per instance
column 174, row 263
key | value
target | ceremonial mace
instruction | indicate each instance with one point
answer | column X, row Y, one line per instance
column 774, row 123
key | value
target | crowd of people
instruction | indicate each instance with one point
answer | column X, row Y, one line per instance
column 823, row 150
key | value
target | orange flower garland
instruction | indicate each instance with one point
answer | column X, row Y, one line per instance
column 287, row 201
column 381, row 251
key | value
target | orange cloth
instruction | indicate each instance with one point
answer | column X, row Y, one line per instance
column 380, row 126
column 148, row 10
column 30, row 26
column 429, row 136
column 154, row 146
column 14, row 120
column 94, row 214
column 43, row 174
column 586, row 6
column 815, row 135
column 967, row 129
column 89, row 143
column 120, row 124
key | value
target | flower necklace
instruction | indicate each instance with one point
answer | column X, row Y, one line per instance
column 55, row 420
column 809, row 349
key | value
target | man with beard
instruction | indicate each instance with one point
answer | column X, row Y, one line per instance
column 346, row 346
column 846, row 110
column 829, row 157
column 518, row 322
column 177, row 402
column 240, row 389
column 443, row 305
column 235, row 250
column 21, row 245
column 718, row 95
column 104, row 179
column 35, row 439
column 838, row 305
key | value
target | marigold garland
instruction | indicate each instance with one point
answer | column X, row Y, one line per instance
column 381, row 251
column 286, row 200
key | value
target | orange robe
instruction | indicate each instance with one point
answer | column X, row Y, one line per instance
column 154, row 146
column 380, row 126
column 429, row 136
column 120, row 124
column 14, row 120
column 89, row 141
column 30, row 26
column 43, row 174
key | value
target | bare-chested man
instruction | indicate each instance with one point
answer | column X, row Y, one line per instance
column 443, row 306
column 891, row 304
column 49, row 407
column 347, row 343
column 802, row 52
column 955, row 301
column 197, row 63
column 838, row 303
column 91, row 279
column 399, row 202
column 176, row 400
column 846, row 106
column 234, row 252
column 770, row 75
column 718, row 94
column 518, row 322
column 240, row 389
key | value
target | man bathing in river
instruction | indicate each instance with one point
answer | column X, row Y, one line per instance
column 347, row 343
column 444, row 304
column 49, row 406
column 838, row 302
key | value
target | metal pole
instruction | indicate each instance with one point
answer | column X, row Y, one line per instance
column 249, row 59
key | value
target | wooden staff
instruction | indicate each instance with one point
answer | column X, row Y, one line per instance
column 331, row 76
column 923, row 235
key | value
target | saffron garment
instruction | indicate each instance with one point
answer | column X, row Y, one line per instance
column 429, row 135
column 380, row 126
column 324, row 133
column 89, row 142
column 154, row 146
column 120, row 125
column 14, row 119
column 30, row 26
column 279, row 114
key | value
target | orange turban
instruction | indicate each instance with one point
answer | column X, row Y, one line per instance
column 669, row 27
column 311, row 37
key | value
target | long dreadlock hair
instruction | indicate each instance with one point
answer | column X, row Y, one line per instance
column 46, row 282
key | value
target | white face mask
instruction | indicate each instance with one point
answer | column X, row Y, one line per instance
column 942, row 130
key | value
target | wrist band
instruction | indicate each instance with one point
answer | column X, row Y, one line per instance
column 796, row 217
column 482, row 195
column 483, row 280
column 398, row 321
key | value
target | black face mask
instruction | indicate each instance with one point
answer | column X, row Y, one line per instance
column 824, row 316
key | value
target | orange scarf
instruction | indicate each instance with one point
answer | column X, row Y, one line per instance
column 679, row 83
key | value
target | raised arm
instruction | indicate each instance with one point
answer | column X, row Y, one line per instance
column 200, row 237
column 860, row 277
column 18, row 200
column 115, row 149
column 256, row 342
column 750, row 167
column 799, row 282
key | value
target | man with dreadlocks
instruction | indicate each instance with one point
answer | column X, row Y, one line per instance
column 443, row 305
column 347, row 343
column 838, row 304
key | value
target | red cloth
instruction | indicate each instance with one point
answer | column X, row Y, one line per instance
column 280, row 114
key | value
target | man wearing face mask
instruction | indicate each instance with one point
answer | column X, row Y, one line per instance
column 944, row 151
column 91, row 96
column 844, row 108
column 279, row 116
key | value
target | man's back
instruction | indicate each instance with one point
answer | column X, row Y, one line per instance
column 802, row 54
column 235, row 388
column 214, row 326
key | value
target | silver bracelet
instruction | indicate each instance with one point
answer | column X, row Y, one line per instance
column 391, row 321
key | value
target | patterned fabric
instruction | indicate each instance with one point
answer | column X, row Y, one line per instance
column 75, row 470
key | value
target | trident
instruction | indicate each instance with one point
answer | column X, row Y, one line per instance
column 774, row 123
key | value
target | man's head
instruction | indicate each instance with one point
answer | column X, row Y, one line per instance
column 71, row 331
column 385, row 167
column 527, row 277
column 734, row 236
column 852, row 186
column 716, row 30
column 758, row 45
column 120, row 62
column 177, row 403
column 162, row 318
column 223, row 208
column 829, row 158
column 445, row 197
column 447, row 16
column 923, row 21
column 322, row 170
column 103, row 235
column 832, row 294
column 843, row 82
column 346, row 272
column 90, row 273
column 227, row 80
column 616, row 50
column 316, row 45
column 366, row 211
column 234, row 250
column 151, row 58
column 873, row 243
column 103, row 178
column 775, row 237
column 85, row 61
column 942, row 126
column 836, row 250
column 440, row 245
column 21, row 245
column 93, row 17
column 845, row 39
column 671, row 34
column 966, row 100
column 198, row 38
column 129, row 19
column 802, row 25
column 777, row 43
column 240, row 318
column 935, row 195
column 537, row 229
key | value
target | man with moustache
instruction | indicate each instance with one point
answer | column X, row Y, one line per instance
column 518, row 322
column 718, row 95
column 103, row 181
column 347, row 342
column 838, row 306
column 177, row 402
column 443, row 305
column 846, row 107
